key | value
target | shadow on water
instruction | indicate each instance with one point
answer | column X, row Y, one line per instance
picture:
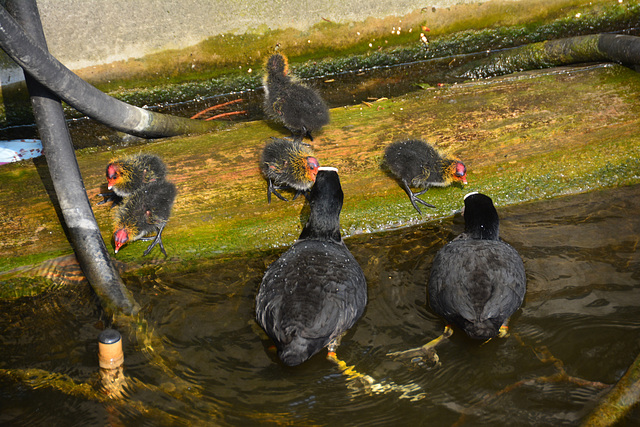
column 581, row 316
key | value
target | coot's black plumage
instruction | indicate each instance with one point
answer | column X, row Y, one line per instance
column 288, row 163
column 316, row 290
column 417, row 164
column 298, row 107
column 477, row 281
column 144, row 212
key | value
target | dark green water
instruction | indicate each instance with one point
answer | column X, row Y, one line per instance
column 582, row 307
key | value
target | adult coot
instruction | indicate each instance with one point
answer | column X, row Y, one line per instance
column 316, row 290
column 298, row 107
column 288, row 163
column 417, row 164
column 477, row 281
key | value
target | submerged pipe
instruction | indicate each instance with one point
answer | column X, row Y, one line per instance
column 111, row 359
column 619, row 400
column 49, row 72
column 84, row 234
column 110, row 354
column 552, row 53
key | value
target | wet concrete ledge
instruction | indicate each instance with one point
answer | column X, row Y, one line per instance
column 524, row 137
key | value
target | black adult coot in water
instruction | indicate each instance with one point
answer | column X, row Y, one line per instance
column 417, row 164
column 477, row 281
column 144, row 212
column 288, row 163
column 316, row 290
column 298, row 107
column 127, row 174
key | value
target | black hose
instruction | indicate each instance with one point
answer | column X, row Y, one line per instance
column 620, row 48
column 83, row 230
column 116, row 114
column 553, row 53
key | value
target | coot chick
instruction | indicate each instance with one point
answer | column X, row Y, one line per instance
column 298, row 107
column 477, row 281
column 316, row 290
column 145, row 211
column 288, row 164
column 417, row 164
column 127, row 174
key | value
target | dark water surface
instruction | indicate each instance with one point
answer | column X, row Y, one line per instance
column 581, row 318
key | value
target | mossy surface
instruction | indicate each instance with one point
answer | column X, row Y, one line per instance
column 229, row 63
column 523, row 137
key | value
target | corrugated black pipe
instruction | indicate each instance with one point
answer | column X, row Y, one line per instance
column 49, row 72
column 83, row 230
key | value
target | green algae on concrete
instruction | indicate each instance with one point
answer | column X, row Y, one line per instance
column 233, row 62
column 523, row 137
column 456, row 30
column 229, row 63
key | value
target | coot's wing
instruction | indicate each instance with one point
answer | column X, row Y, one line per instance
column 449, row 284
column 404, row 161
column 508, row 274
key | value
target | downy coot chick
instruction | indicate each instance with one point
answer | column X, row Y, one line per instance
column 316, row 290
column 286, row 164
column 299, row 108
column 477, row 281
column 419, row 165
column 127, row 174
column 145, row 211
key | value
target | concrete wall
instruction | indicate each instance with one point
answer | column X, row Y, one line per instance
column 81, row 33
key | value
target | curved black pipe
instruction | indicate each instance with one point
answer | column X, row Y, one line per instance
column 116, row 114
column 83, row 231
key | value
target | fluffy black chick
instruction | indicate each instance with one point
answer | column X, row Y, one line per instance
column 417, row 164
column 298, row 107
column 127, row 174
column 145, row 211
column 288, row 164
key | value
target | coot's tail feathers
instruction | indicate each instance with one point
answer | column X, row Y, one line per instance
column 299, row 350
column 482, row 330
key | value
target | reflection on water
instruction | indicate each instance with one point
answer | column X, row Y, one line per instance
column 581, row 318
